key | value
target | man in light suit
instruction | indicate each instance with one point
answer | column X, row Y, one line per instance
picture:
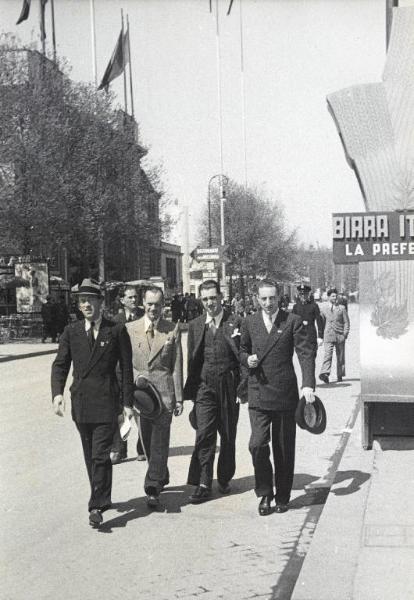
column 268, row 340
column 157, row 356
column 336, row 321
column 95, row 346
column 130, row 312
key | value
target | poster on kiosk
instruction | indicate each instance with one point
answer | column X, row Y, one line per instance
column 29, row 299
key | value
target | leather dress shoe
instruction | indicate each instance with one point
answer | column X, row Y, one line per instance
column 95, row 517
column 224, row 488
column 324, row 377
column 141, row 457
column 153, row 500
column 265, row 507
column 201, row 494
column 281, row 507
column 339, row 379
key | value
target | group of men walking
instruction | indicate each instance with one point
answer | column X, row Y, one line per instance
column 119, row 367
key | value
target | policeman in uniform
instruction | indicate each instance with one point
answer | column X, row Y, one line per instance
column 310, row 314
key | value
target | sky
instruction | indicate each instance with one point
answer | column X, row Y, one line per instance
column 296, row 52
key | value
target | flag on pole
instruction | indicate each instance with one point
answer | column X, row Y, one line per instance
column 119, row 59
column 24, row 12
column 42, row 20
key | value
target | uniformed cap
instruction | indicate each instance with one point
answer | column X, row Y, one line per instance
column 302, row 287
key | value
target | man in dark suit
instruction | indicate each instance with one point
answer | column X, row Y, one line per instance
column 213, row 378
column 130, row 312
column 95, row 346
column 268, row 340
column 311, row 316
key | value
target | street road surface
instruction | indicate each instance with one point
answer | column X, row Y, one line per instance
column 220, row 549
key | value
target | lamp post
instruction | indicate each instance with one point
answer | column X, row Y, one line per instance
column 223, row 180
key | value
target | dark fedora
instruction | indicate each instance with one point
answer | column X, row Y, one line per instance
column 192, row 418
column 91, row 287
column 147, row 399
column 302, row 287
column 311, row 417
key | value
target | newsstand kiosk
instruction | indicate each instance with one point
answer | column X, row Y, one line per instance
column 375, row 122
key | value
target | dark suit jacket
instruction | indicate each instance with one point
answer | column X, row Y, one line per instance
column 231, row 329
column 121, row 317
column 273, row 385
column 94, row 390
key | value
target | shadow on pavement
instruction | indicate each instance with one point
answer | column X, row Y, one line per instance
column 181, row 451
column 356, row 480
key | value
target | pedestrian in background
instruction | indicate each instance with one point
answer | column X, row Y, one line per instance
column 213, row 378
column 62, row 315
column 94, row 347
column 49, row 318
column 309, row 312
column 130, row 311
column 336, row 331
column 157, row 357
column 268, row 339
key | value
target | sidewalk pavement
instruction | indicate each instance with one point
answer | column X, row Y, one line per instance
column 17, row 350
column 363, row 546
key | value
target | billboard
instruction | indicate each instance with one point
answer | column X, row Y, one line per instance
column 30, row 299
column 373, row 236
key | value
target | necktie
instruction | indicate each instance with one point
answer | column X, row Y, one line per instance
column 130, row 318
column 91, row 337
column 150, row 334
column 213, row 326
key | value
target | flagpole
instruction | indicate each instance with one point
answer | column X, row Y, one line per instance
column 52, row 5
column 243, row 93
column 123, row 63
column 93, row 36
column 130, row 70
column 219, row 87
column 42, row 27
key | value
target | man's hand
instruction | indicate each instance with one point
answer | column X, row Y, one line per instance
column 309, row 395
column 59, row 405
column 178, row 410
column 252, row 361
column 320, row 341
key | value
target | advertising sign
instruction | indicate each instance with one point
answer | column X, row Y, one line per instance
column 373, row 236
column 214, row 254
column 29, row 299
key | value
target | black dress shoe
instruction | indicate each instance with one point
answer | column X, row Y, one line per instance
column 281, row 507
column 95, row 517
column 339, row 379
column 153, row 500
column 224, row 488
column 141, row 457
column 324, row 377
column 264, row 506
column 200, row 495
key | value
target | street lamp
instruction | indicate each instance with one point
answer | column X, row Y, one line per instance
column 223, row 179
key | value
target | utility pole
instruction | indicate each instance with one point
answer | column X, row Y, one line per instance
column 390, row 4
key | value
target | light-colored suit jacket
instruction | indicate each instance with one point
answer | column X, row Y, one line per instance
column 163, row 363
column 336, row 322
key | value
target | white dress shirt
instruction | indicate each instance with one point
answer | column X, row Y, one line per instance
column 269, row 321
column 96, row 326
column 148, row 323
column 217, row 319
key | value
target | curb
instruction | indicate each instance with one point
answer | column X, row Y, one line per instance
column 27, row 355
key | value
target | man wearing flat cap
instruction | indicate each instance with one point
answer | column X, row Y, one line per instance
column 309, row 312
column 157, row 357
column 94, row 346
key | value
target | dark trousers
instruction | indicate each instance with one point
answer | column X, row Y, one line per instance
column 209, row 422
column 156, row 443
column 280, row 427
column 96, row 442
